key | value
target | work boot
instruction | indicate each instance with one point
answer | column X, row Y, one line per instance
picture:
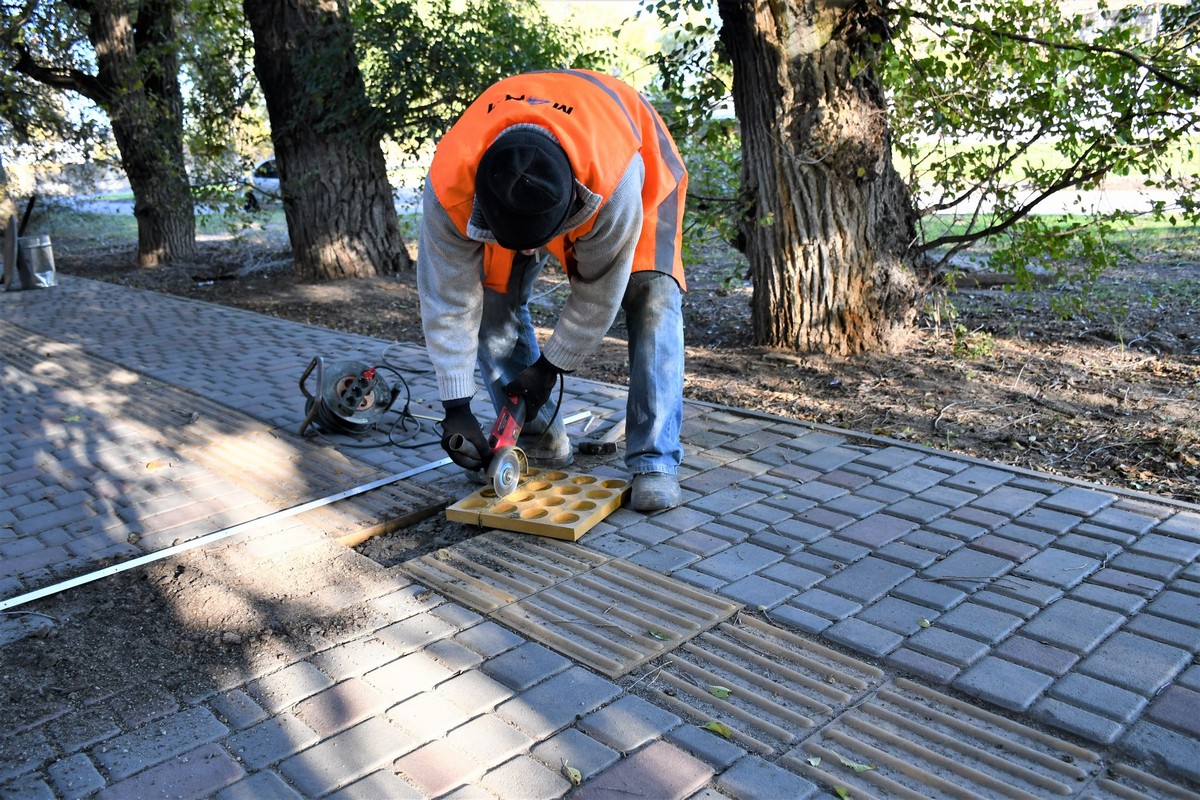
column 654, row 491
column 549, row 448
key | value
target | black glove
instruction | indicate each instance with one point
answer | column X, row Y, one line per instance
column 534, row 384
column 462, row 438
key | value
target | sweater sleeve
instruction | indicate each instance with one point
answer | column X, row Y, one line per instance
column 450, row 289
column 604, row 260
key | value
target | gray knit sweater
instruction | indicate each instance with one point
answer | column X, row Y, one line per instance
column 450, row 281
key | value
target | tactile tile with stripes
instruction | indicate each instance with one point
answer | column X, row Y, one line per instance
column 606, row 613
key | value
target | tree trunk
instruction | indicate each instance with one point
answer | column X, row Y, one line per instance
column 337, row 199
column 828, row 222
column 8, row 206
column 138, row 70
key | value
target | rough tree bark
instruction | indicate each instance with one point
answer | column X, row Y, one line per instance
column 828, row 221
column 337, row 199
column 137, row 85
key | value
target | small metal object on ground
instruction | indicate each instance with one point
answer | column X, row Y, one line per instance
column 607, row 444
column 562, row 505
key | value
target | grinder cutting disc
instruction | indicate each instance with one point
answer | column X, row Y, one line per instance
column 506, row 468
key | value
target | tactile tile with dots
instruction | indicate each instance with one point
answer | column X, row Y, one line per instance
column 562, row 505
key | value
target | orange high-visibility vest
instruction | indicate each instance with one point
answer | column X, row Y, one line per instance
column 600, row 123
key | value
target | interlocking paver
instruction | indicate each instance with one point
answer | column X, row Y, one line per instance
column 1004, row 683
column 76, row 776
column 526, row 778
column 658, row 770
column 878, row 530
column 488, row 740
column 1134, row 662
column 575, row 749
column 1177, row 708
column 436, row 768
column 758, row 592
column 1184, row 524
column 1177, row 634
column 980, row 622
column 1072, row 625
column 1097, row 696
column 556, row 703
column 133, row 752
column 1036, row 655
column 259, row 785
column 738, row 561
column 271, row 740
column 1079, row 721
column 340, row 706
column 953, row 648
column 198, row 773
column 864, row 637
column 923, row 666
column 867, row 580
column 525, row 666
column 345, row 757
column 628, row 723
column 752, row 777
column 381, row 783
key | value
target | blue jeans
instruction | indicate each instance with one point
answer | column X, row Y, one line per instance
column 654, row 318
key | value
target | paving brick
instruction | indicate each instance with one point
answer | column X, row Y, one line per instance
column 923, row 666
column 912, row 479
column 758, row 592
column 854, row 505
column 792, row 575
column 28, row 787
column 919, row 511
column 838, row 550
column 707, row 582
column 659, row 770
column 525, row 778
column 929, row 593
column 380, row 784
column 1136, row 663
column 958, row 529
column 610, row 543
column 738, row 561
column 1122, row 602
column 825, row 604
column 948, row 646
column 1177, row 708
column 699, row 543
column 878, row 530
column 980, row 622
column 575, row 749
column 713, row 750
column 1077, row 720
column 488, row 740
column 1127, row 582
column 427, row 715
column 155, row 743
column 1004, row 548
column 682, row 518
column 525, row 666
column 555, row 703
column 1077, row 500
column 436, row 768
column 975, row 517
column 453, row 656
column 1060, row 568
column 1154, row 568
column 1099, row 697
column 1172, row 752
column 1026, row 535
column 271, row 740
column 663, row 559
column 1036, row 655
column 1008, row 500
column 474, row 692
column 342, row 759
column 1166, row 631
column 726, row 501
column 258, row 786
column 237, row 709
column 864, row 637
column 1123, row 521
column 340, row 707
column 799, row 618
column 406, row 676
column 900, row 616
column 1185, row 525
column 413, row 633
column 968, row 566
column 1004, row 683
column 197, row 773
column 489, row 639
column 646, row 534
column 1177, row 606
column 1006, row 603
column 753, row 778
column 867, row 580
column 1072, row 625
column 908, row 555
column 979, row 479
column 824, row 518
column 288, row 686
column 1056, row 522
column 75, row 776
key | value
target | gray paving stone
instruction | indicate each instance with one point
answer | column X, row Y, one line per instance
column 1167, row 547
column 659, row 770
column 556, row 702
column 379, row 784
column 489, row 639
column 738, row 561
column 1073, row 625
column 1184, row 524
column 1025, row 535
column 628, row 723
column 903, row 553
column 979, row 479
column 867, row 580
column 525, row 666
column 526, row 778
column 1177, row 708
column 28, row 787
column 353, row 658
column 1008, row 500
column 1127, row 582
column 1006, row 603
column 828, row 459
column 427, row 716
column 757, row 592
column 646, row 533
column 611, row 543
column 961, row 530
column 968, row 567
column 878, row 530
column 1136, row 663
column 699, row 543
column 488, row 740
column 891, row 458
column 259, row 786
column 948, row 646
column 1184, row 608
column 838, row 550
column 800, row 618
column 854, row 505
column 823, row 517
column 1004, row 683
column 575, row 749
column 1177, row 634
column 400, row 679
column 1155, row 568
column 288, row 686
column 197, row 773
column 663, row 558
column 913, row 479
column 1179, row 754
column 1123, row 520
column 682, row 519
column 474, row 692
column 1106, row 597
column 752, row 778
column 825, row 604
column 715, row 751
column 933, row 542
column 980, row 622
column 75, row 776
column 340, row 706
column 1060, row 568
column 800, row 531
column 929, row 593
column 726, row 501
column 1077, row 500
column 707, row 582
column 1036, row 655
column 864, row 637
column 1077, row 720
column 237, row 709
column 454, row 656
column 919, row 511
column 270, row 741
column 1120, row 705
column 923, row 666
column 899, row 616
column 792, row 575
column 1004, row 548
column 133, row 752
column 342, row 759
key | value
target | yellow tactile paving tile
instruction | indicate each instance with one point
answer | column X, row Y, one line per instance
column 561, row 505
column 907, row 741
column 767, row 686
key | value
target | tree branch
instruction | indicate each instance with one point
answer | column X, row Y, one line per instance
column 69, row 79
column 1141, row 63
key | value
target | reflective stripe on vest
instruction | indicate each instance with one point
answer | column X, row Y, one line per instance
column 600, row 122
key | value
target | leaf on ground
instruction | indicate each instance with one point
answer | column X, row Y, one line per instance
column 924, row 623
column 854, row 765
column 719, row 728
column 72, row 418
column 815, row 761
column 719, row 691
column 156, row 464
column 571, row 774
column 841, row 792
column 658, row 635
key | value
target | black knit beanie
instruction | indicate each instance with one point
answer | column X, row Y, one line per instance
column 524, row 189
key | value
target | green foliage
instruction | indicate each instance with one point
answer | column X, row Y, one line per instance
column 423, row 63
column 1048, row 102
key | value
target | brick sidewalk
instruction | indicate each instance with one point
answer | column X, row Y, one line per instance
column 1068, row 613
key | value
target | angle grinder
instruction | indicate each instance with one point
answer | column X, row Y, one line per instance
column 508, row 461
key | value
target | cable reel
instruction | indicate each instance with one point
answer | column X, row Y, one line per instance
column 350, row 397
